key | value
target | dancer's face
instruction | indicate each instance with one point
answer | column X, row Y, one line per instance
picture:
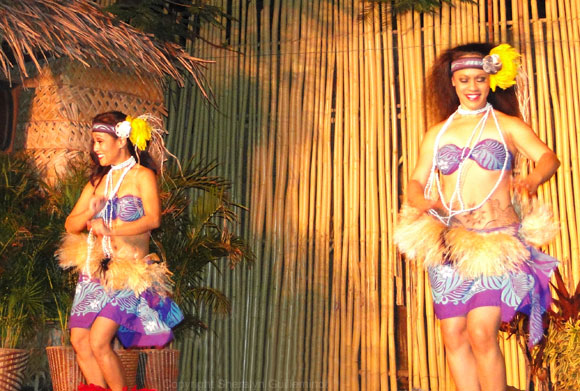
column 109, row 149
column 472, row 87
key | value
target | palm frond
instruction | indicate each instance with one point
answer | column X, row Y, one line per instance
column 212, row 298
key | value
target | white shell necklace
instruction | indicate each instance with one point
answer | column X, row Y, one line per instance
column 111, row 190
column 465, row 154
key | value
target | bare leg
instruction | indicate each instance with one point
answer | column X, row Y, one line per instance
column 101, row 335
column 460, row 357
column 482, row 327
column 79, row 339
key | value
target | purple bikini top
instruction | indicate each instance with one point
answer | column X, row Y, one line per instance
column 489, row 154
column 127, row 208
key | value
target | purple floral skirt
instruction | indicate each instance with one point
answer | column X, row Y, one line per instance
column 144, row 320
column 525, row 290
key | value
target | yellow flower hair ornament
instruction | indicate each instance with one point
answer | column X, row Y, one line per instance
column 137, row 130
column 502, row 64
column 140, row 133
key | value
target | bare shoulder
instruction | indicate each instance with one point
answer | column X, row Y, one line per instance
column 142, row 170
column 514, row 128
column 436, row 128
column 145, row 175
column 432, row 132
column 509, row 123
column 89, row 189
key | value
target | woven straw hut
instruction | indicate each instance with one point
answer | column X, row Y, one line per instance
column 63, row 62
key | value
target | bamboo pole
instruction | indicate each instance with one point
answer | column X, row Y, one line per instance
column 387, row 286
column 323, row 338
column 293, row 212
column 355, row 300
column 254, row 227
column 385, row 309
column 274, row 128
column 496, row 20
column 265, row 197
column 337, row 350
column 309, row 163
column 481, row 21
column 374, row 89
column 286, row 233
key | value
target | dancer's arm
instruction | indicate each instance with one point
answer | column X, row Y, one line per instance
column 83, row 211
column 415, row 188
column 530, row 145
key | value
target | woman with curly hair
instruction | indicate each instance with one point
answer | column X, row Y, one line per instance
column 477, row 249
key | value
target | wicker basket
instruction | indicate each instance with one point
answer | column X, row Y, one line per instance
column 13, row 363
column 66, row 374
column 130, row 362
column 159, row 369
column 64, row 370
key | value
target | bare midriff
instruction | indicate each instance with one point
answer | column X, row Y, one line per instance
column 476, row 184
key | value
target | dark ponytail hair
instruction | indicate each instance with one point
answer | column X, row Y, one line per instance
column 442, row 100
column 143, row 157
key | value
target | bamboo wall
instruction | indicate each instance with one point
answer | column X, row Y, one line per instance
column 319, row 121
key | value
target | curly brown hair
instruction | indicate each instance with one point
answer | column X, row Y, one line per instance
column 442, row 100
column 143, row 157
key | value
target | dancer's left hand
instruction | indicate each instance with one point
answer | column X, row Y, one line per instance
column 528, row 185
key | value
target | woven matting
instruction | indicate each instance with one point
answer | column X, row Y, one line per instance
column 63, row 72
column 51, row 163
column 42, row 104
column 54, row 118
column 55, row 135
column 81, row 104
column 13, row 363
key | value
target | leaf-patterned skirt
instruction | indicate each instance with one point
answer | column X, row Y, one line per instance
column 525, row 290
column 144, row 320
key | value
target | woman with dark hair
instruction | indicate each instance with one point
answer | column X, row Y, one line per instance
column 478, row 250
column 122, row 289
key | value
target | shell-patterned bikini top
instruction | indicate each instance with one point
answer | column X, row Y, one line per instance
column 489, row 154
column 127, row 208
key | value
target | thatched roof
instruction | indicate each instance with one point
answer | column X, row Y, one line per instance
column 35, row 30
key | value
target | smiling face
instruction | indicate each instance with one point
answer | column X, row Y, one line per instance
column 472, row 87
column 109, row 149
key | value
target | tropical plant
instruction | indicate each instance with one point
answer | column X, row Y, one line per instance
column 402, row 6
column 562, row 351
column 61, row 196
column 175, row 22
column 537, row 376
column 557, row 355
column 24, row 247
column 195, row 233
